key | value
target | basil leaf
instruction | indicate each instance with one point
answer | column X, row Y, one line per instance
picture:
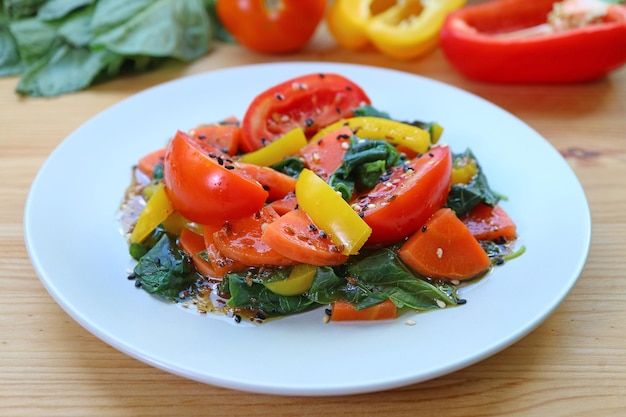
column 160, row 28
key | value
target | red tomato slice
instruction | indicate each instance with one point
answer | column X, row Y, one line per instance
column 193, row 243
column 204, row 186
column 224, row 137
column 396, row 208
column 285, row 204
column 220, row 263
column 240, row 240
column 277, row 184
column 295, row 236
column 490, row 223
column 310, row 101
column 325, row 155
column 147, row 163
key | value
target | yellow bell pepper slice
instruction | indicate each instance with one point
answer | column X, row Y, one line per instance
column 401, row 29
column 331, row 213
column 463, row 170
column 378, row 128
column 157, row 210
column 299, row 281
column 286, row 145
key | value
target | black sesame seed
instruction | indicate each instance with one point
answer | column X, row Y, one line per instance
column 461, row 301
column 201, row 136
column 343, row 136
column 230, row 167
column 132, row 276
column 157, row 261
column 212, row 155
column 322, row 75
column 220, row 160
column 319, row 142
column 338, row 110
column 431, row 154
column 279, row 96
column 424, row 228
column 349, row 87
column 237, row 318
column 266, row 187
column 323, row 234
column 308, row 122
column 138, row 283
column 313, row 227
column 328, row 312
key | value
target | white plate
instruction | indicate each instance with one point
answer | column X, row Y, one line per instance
column 76, row 248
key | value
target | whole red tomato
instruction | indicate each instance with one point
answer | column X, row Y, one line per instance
column 271, row 26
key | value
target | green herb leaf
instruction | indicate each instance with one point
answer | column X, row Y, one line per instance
column 161, row 28
column 165, row 269
column 464, row 197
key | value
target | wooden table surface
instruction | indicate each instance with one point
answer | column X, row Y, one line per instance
column 574, row 364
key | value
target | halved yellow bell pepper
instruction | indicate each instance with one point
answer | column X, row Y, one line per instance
column 378, row 128
column 331, row 213
column 401, row 29
column 288, row 144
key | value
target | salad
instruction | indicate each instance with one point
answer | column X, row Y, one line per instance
column 314, row 198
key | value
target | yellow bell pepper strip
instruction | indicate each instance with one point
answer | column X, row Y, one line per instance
column 378, row 128
column 331, row 213
column 464, row 170
column 288, row 144
column 299, row 281
column 157, row 210
column 401, row 29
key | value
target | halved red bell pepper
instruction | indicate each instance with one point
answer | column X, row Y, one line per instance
column 510, row 41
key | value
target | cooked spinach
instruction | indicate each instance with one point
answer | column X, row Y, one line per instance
column 464, row 197
column 364, row 163
column 247, row 292
column 372, row 278
column 165, row 269
column 365, row 281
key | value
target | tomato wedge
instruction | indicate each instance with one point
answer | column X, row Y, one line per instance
column 204, row 186
column 295, row 236
column 277, row 184
column 490, row 223
column 324, row 155
column 224, row 137
column 309, row 101
column 220, row 263
column 240, row 240
column 399, row 206
column 193, row 243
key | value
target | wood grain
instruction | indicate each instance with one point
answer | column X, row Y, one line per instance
column 574, row 364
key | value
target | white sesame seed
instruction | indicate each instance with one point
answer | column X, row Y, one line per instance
column 316, row 156
column 345, row 145
column 326, row 318
column 410, row 323
column 371, row 206
column 440, row 303
column 439, row 252
column 284, row 118
column 455, row 282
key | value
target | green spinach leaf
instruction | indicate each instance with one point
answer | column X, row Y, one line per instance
column 247, row 292
column 165, row 270
column 464, row 197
